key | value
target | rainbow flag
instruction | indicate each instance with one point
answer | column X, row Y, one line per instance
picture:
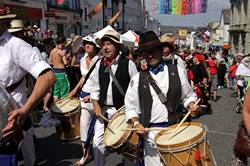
column 182, row 7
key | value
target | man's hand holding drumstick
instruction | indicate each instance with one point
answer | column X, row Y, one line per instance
column 193, row 109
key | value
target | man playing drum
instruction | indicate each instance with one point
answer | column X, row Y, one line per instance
column 145, row 107
column 105, row 94
column 18, row 58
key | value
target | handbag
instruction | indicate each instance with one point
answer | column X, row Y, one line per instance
column 242, row 142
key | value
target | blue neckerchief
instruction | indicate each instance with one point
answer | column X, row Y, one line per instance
column 157, row 69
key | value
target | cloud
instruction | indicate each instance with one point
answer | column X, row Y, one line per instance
column 215, row 5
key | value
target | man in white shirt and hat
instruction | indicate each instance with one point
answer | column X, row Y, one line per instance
column 148, row 107
column 18, row 59
column 107, row 98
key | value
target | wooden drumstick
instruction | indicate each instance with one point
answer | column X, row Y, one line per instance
column 100, row 115
column 172, row 134
column 147, row 129
column 121, row 108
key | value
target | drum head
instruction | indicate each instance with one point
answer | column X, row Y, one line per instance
column 65, row 106
column 187, row 134
column 114, row 132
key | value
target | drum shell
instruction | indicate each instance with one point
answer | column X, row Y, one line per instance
column 69, row 127
column 185, row 153
column 127, row 145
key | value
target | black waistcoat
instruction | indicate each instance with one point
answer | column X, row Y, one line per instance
column 122, row 75
column 173, row 95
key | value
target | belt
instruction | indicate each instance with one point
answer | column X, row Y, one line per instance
column 56, row 70
column 105, row 105
column 84, row 94
column 161, row 124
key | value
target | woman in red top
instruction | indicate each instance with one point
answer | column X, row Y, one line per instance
column 232, row 74
column 212, row 68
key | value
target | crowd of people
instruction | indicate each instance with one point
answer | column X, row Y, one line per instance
column 105, row 75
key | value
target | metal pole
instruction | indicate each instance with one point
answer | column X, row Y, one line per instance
column 47, row 21
column 103, row 13
column 123, row 15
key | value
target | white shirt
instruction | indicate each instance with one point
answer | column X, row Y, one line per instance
column 84, row 71
column 18, row 58
column 180, row 62
column 83, row 65
column 159, row 111
column 242, row 70
column 95, row 90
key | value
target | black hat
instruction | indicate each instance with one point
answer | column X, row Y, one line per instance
column 149, row 40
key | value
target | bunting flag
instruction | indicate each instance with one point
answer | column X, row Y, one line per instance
column 154, row 7
column 61, row 3
column 182, row 7
column 115, row 17
column 96, row 10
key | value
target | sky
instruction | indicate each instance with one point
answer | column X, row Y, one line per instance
column 213, row 14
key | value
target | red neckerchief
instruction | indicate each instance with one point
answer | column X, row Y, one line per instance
column 108, row 61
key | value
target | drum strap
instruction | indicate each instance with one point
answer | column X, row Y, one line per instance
column 139, row 153
column 90, row 133
column 14, row 86
column 117, row 84
column 90, row 71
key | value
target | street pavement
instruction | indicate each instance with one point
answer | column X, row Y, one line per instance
column 222, row 129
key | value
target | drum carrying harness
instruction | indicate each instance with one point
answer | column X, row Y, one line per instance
column 171, row 100
column 120, row 77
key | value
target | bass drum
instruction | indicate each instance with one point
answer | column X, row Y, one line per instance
column 6, row 106
column 189, row 146
column 67, row 111
column 116, row 136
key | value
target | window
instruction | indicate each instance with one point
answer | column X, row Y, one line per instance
column 85, row 14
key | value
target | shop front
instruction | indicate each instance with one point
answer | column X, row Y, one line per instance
column 29, row 15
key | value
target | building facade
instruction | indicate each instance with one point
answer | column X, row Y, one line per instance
column 134, row 16
column 224, row 27
column 239, row 29
column 93, row 24
column 131, row 17
column 30, row 11
column 71, row 16
column 64, row 18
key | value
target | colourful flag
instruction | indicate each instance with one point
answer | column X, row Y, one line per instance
column 61, row 3
column 184, row 10
column 96, row 10
column 115, row 17
column 182, row 7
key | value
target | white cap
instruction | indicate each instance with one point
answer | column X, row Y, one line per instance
column 92, row 39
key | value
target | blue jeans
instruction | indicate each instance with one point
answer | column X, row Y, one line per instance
column 231, row 83
column 8, row 159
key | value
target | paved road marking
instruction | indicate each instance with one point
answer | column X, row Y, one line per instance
column 222, row 133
